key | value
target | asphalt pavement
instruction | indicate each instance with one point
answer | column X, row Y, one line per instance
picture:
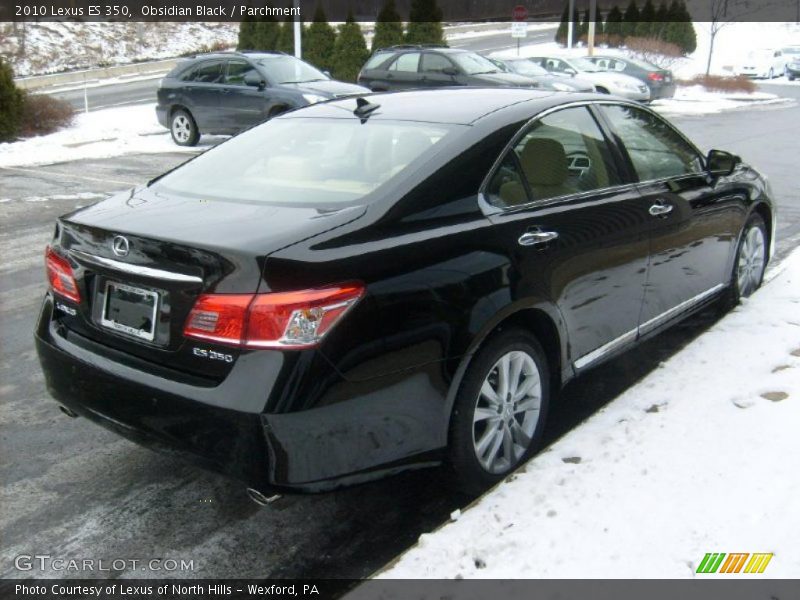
column 73, row 490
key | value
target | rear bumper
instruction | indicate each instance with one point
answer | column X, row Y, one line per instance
column 329, row 434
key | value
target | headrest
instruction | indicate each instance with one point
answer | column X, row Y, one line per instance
column 544, row 162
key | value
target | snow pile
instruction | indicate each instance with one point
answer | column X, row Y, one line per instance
column 103, row 44
column 696, row 100
column 99, row 134
column 700, row 456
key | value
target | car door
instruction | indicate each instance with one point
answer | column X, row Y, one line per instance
column 203, row 94
column 432, row 70
column 403, row 73
column 692, row 216
column 241, row 105
column 577, row 230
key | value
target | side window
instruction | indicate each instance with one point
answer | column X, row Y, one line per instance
column 655, row 150
column 376, row 60
column 435, row 63
column 563, row 153
column 188, row 74
column 237, row 69
column 618, row 65
column 406, row 62
column 210, row 72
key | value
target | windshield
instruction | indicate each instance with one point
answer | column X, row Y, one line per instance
column 309, row 161
column 288, row 69
column 582, row 64
column 474, row 64
column 526, row 67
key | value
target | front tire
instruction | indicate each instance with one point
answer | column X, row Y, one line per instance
column 750, row 262
column 183, row 129
column 500, row 410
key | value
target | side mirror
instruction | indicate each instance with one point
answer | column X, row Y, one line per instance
column 570, row 72
column 327, row 74
column 254, row 79
column 452, row 71
column 719, row 162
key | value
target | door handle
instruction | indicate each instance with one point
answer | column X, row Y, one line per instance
column 534, row 238
column 660, row 208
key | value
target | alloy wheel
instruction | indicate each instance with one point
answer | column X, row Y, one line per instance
column 181, row 128
column 750, row 266
column 506, row 412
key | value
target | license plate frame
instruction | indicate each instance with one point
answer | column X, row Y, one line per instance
column 109, row 322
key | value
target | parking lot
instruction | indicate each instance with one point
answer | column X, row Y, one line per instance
column 75, row 490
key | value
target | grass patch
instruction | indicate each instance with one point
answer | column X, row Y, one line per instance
column 721, row 83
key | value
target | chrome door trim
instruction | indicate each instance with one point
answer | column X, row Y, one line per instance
column 666, row 315
column 598, row 353
column 135, row 269
column 631, row 336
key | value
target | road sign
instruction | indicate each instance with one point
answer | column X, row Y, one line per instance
column 519, row 30
column 520, row 13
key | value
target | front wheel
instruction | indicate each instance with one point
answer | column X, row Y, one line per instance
column 500, row 410
column 183, row 129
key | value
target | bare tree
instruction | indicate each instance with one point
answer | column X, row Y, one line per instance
column 725, row 12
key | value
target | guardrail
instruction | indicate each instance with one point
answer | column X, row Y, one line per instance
column 154, row 68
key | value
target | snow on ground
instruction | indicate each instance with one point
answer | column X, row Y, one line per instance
column 700, row 456
column 99, row 134
column 94, row 44
column 696, row 100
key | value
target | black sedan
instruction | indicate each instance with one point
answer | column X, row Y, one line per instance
column 226, row 92
column 370, row 285
column 660, row 81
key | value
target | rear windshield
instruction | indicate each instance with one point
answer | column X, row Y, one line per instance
column 526, row 67
column 310, row 161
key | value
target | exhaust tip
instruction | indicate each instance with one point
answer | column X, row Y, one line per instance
column 260, row 498
column 68, row 411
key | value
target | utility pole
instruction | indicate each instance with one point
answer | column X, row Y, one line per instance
column 298, row 30
column 570, row 24
column 592, row 17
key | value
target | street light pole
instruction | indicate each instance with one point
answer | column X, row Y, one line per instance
column 570, row 24
column 298, row 30
column 592, row 17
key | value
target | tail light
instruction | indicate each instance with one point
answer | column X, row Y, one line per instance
column 655, row 76
column 289, row 320
column 60, row 275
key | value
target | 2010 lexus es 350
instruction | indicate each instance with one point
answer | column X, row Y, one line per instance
column 373, row 284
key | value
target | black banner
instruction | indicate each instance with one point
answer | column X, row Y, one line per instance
column 361, row 10
column 738, row 588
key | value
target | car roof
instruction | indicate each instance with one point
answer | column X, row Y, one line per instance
column 459, row 106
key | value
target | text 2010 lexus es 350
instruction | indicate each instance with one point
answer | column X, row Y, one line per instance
column 368, row 285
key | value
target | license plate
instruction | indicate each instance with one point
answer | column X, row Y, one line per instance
column 130, row 310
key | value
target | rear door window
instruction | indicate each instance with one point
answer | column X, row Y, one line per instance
column 563, row 153
column 435, row 63
column 407, row 63
column 209, row 72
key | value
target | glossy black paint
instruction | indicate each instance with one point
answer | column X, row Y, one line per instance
column 443, row 271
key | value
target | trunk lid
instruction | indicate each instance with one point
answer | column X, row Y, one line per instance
column 146, row 257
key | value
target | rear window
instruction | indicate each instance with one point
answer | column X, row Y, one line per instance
column 310, row 161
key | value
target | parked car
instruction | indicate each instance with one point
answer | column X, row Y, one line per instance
column 660, row 81
column 546, row 81
column 762, row 63
column 415, row 66
column 791, row 55
column 374, row 284
column 225, row 93
column 618, row 84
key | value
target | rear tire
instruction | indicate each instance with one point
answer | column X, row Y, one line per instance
column 183, row 128
column 500, row 410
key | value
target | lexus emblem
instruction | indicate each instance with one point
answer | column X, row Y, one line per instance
column 120, row 246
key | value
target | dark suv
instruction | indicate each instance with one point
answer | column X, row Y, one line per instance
column 406, row 67
column 225, row 93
